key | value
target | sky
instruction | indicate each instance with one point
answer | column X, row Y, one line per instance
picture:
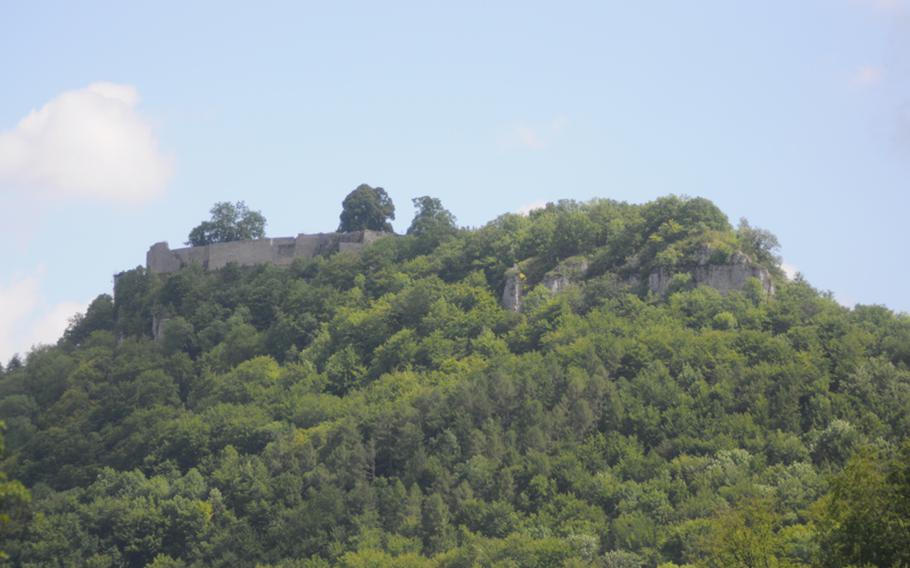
column 121, row 123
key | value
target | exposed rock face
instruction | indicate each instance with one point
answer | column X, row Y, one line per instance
column 282, row 251
column 567, row 273
column 158, row 324
column 512, row 292
column 724, row 278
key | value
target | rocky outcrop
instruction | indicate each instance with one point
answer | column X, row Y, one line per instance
column 513, row 289
column 158, row 324
column 568, row 273
column 724, row 278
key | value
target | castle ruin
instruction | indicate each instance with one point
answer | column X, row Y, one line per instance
column 281, row 251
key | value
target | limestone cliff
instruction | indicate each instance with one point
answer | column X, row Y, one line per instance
column 724, row 278
column 567, row 273
column 513, row 290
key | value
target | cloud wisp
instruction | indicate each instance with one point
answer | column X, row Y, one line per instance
column 889, row 7
column 85, row 143
column 526, row 209
column 867, row 76
column 26, row 319
column 790, row 271
column 536, row 137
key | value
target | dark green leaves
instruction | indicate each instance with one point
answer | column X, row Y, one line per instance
column 229, row 222
column 367, row 208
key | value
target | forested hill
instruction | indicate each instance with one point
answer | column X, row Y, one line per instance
column 385, row 409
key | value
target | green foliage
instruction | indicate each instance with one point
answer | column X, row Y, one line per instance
column 14, row 499
column 865, row 519
column 760, row 244
column 368, row 208
column 431, row 218
column 432, row 225
column 229, row 222
column 747, row 536
column 98, row 316
column 382, row 409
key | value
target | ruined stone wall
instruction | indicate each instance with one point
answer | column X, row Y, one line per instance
column 281, row 251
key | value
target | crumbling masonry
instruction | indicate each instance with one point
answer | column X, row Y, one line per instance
column 281, row 251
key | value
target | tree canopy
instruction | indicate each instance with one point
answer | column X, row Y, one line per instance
column 432, row 223
column 383, row 409
column 367, row 208
column 14, row 498
column 431, row 217
column 229, row 222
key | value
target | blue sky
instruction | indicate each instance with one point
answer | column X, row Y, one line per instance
column 121, row 124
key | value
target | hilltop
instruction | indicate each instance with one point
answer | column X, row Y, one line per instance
column 592, row 384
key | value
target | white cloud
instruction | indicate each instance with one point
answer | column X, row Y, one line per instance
column 845, row 300
column 88, row 142
column 867, row 76
column 526, row 209
column 892, row 7
column 559, row 123
column 18, row 299
column 789, row 270
column 52, row 322
column 529, row 137
column 533, row 137
column 525, row 137
column 26, row 320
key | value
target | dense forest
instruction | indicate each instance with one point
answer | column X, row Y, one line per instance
column 382, row 408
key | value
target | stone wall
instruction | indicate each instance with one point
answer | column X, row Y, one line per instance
column 281, row 251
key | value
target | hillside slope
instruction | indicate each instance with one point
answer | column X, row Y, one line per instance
column 385, row 408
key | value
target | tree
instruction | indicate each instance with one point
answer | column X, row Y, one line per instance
column 431, row 218
column 434, row 525
column 745, row 536
column 405, row 418
column 761, row 244
column 862, row 521
column 99, row 315
column 366, row 208
column 432, row 223
column 13, row 499
column 229, row 222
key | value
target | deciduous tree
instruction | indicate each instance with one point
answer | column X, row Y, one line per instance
column 229, row 222
column 367, row 208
